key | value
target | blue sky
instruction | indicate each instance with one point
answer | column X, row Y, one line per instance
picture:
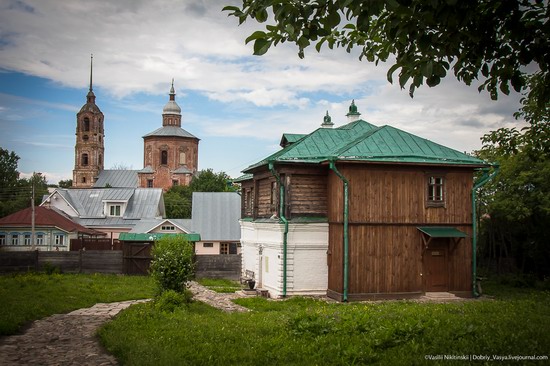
column 236, row 103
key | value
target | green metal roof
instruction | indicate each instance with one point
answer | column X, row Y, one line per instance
column 243, row 177
column 291, row 138
column 154, row 236
column 362, row 141
column 442, row 232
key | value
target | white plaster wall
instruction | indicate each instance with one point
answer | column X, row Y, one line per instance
column 307, row 244
column 200, row 249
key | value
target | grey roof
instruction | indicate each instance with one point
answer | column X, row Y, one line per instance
column 170, row 131
column 216, row 215
column 117, row 178
column 145, row 226
column 182, row 170
column 147, row 169
column 141, row 202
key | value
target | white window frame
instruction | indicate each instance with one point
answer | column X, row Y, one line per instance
column 14, row 239
column 3, row 239
column 167, row 228
column 27, row 239
column 59, row 239
column 109, row 206
column 39, row 239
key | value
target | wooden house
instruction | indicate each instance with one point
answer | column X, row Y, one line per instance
column 359, row 212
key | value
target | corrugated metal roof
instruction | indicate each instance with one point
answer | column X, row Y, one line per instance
column 145, row 203
column 117, row 179
column 182, row 170
column 362, row 141
column 216, row 215
column 170, row 131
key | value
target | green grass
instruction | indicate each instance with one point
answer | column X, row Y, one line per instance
column 302, row 331
column 220, row 285
column 32, row 296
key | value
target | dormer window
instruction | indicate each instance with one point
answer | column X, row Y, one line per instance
column 114, row 209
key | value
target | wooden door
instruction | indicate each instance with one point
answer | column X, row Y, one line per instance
column 435, row 270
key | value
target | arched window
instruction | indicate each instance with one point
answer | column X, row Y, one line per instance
column 83, row 179
column 164, row 157
column 86, row 124
column 84, row 159
column 100, row 159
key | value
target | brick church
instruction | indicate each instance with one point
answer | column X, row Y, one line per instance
column 170, row 153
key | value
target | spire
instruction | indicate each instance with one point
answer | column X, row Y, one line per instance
column 327, row 122
column 90, row 98
column 172, row 91
column 91, row 69
column 353, row 114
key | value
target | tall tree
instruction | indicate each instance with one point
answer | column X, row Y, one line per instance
column 516, row 205
column 8, row 168
column 504, row 43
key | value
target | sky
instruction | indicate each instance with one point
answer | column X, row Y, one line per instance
column 236, row 103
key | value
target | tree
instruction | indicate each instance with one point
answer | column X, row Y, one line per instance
column 65, row 183
column 8, row 169
column 172, row 266
column 500, row 41
column 178, row 199
column 516, row 204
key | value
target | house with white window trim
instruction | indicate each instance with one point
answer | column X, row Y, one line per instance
column 53, row 230
column 108, row 210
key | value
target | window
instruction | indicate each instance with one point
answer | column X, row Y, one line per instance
column 224, row 248
column 14, row 239
column 114, row 210
column 436, row 191
column 59, row 239
column 168, row 228
column 2, row 239
column 85, row 137
column 84, row 159
column 27, row 239
column 86, row 124
column 175, row 182
column 208, row 245
column 83, row 179
column 100, row 159
column 39, row 239
column 164, row 157
column 149, row 183
column 182, row 158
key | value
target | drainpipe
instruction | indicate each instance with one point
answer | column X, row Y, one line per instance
column 346, row 220
column 478, row 184
column 282, row 219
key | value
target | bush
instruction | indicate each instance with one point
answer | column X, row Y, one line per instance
column 172, row 265
column 171, row 300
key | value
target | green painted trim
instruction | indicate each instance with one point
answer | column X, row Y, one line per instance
column 155, row 236
column 346, row 234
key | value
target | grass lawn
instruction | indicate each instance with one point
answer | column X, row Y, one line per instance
column 301, row 331
column 31, row 296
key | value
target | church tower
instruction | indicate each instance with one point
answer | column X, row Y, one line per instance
column 89, row 148
column 170, row 153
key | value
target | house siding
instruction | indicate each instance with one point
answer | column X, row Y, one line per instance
column 386, row 204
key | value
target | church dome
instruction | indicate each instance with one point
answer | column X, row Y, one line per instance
column 172, row 107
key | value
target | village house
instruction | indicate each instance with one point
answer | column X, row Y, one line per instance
column 53, row 230
column 108, row 210
column 359, row 212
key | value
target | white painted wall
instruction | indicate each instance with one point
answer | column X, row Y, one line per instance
column 307, row 244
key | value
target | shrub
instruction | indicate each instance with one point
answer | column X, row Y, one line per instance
column 172, row 265
column 171, row 300
column 51, row 269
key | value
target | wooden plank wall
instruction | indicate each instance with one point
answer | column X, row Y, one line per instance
column 387, row 203
column 307, row 194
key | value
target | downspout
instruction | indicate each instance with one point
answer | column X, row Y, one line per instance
column 282, row 219
column 346, row 220
column 478, row 184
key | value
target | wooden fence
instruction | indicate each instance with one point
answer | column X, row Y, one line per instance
column 83, row 261
column 135, row 259
column 95, row 244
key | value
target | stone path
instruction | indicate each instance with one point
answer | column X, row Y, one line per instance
column 70, row 339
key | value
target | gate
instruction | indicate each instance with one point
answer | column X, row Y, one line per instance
column 137, row 257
